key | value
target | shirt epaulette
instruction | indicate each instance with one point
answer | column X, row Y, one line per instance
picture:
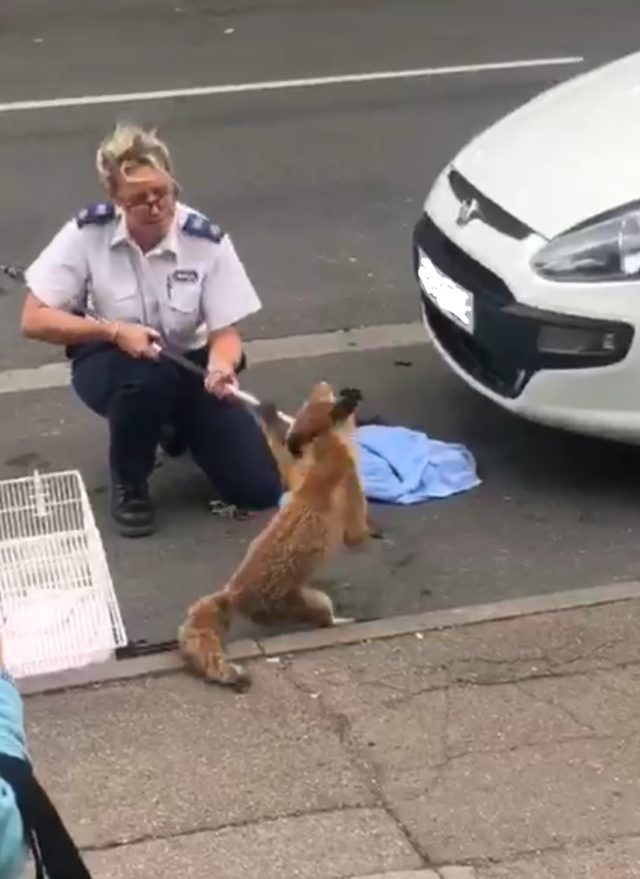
column 201, row 227
column 96, row 214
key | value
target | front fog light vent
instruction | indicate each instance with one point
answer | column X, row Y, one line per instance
column 572, row 340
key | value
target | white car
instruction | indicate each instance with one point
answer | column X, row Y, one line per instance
column 528, row 257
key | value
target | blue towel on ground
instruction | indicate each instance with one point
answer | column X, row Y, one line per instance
column 402, row 466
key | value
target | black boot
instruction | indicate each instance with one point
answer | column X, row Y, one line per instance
column 131, row 509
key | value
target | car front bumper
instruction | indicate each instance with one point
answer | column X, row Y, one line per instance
column 574, row 366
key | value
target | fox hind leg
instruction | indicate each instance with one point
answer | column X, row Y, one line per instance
column 200, row 643
column 312, row 606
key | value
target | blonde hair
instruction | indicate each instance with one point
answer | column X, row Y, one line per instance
column 126, row 149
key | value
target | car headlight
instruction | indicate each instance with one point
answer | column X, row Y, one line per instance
column 608, row 250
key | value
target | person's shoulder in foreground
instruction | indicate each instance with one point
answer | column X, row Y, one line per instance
column 13, row 851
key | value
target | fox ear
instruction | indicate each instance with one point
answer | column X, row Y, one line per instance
column 346, row 405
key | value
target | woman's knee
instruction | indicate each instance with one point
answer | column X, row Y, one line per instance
column 91, row 370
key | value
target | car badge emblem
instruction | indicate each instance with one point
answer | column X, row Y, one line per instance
column 469, row 210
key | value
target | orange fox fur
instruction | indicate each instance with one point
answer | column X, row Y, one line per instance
column 326, row 508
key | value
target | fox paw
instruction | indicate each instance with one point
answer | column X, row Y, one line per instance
column 239, row 678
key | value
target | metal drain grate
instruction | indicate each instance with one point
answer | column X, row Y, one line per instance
column 58, row 607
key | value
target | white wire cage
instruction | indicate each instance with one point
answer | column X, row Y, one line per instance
column 58, row 607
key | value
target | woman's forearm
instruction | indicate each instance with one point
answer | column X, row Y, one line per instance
column 226, row 345
column 60, row 328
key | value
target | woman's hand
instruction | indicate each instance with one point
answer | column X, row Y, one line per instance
column 136, row 340
column 221, row 378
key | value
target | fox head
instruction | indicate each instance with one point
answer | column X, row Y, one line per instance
column 321, row 413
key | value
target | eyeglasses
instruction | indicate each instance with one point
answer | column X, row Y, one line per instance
column 147, row 200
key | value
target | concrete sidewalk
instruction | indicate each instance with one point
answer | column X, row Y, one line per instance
column 500, row 750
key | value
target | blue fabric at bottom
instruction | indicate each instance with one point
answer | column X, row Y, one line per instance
column 13, row 851
column 402, row 466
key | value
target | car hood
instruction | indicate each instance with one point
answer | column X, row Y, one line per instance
column 568, row 154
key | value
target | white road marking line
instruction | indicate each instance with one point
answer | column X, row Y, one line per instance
column 270, row 85
column 56, row 375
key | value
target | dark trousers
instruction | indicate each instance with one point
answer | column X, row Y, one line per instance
column 139, row 397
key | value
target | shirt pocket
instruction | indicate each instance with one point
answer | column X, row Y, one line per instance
column 185, row 298
column 184, row 293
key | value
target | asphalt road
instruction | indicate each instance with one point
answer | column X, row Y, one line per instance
column 320, row 188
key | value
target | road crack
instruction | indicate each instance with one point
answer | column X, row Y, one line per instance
column 553, row 703
column 367, row 767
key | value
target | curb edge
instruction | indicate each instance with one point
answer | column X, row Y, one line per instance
column 114, row 671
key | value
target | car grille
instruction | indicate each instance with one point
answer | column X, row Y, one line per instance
column 491, row 213
column 499, row 374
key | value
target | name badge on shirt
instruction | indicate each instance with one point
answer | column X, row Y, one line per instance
column 187, row 276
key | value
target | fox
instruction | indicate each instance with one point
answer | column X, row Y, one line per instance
column 326, row 508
